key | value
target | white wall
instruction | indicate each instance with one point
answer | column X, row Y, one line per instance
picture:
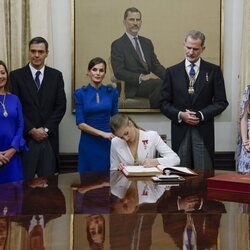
column 225, row 132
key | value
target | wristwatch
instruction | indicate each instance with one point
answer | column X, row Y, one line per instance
column 46, row 130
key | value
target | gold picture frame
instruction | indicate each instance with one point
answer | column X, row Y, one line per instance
column 96, row 24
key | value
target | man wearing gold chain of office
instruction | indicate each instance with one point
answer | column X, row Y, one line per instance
column 193, row 94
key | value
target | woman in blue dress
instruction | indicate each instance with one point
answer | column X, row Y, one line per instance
column 94, row 105
column 11, row 132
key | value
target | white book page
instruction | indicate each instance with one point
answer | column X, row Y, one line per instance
column 179, row 169
column 139, row 169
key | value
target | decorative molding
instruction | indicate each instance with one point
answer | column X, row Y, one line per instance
column 223, row 161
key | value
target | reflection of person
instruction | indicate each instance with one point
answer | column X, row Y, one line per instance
column 131, row 201
column 193, row 94
column 189, row 217
column 136, row 63
column 11, row 132
column 243, row 145
column 44, row 103
column 95, row 231
column 136, row 227
column 44, row 195
column 95, row 104
column 11, row 198
column 93, row 195
column 133, row 146
column 4, row 230
column 193, row 231
column 133, row 194
column 35, row 227
column 42, row 202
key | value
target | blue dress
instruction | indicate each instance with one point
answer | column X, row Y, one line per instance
column 94, row 151
column 11, row 135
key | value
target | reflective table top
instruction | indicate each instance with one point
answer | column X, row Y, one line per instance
column 102, row 210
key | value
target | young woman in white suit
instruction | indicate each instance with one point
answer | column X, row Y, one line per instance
column 134, row 146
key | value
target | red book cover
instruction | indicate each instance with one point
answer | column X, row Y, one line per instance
column 230, row 182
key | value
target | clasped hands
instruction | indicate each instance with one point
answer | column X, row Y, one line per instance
column 190, row 203
column 189, row 117
column 40, row 182
column 148, row 77
column 38, row 134
column 6, row 155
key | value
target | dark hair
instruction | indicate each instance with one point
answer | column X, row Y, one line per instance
column 120, row 120
column 39, row 39
column 131, row 9
column 6, row 87
column 96, row 61
column 195, row 34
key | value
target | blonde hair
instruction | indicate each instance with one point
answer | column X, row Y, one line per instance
column 120, row 120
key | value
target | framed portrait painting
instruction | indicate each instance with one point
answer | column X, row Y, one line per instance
column 96, row 24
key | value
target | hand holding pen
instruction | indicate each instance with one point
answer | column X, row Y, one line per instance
column 149, row 162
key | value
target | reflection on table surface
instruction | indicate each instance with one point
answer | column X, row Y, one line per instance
column 110, row 211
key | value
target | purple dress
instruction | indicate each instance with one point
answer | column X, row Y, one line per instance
column 11, row 135
column 242, row 156
column 94, row 151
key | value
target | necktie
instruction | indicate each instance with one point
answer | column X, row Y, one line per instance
column 192, row 71
column 137, row 48
column 37, row 80
column 139, row 53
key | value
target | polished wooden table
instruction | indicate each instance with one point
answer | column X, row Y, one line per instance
column 110, row 211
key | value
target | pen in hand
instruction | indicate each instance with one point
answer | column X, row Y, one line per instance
column 150, row 162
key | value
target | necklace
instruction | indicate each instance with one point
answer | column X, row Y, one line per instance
column 5, row 113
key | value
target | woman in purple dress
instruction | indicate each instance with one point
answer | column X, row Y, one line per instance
column 95, row 104
column 11, row 132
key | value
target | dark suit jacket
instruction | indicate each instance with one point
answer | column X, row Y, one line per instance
column 209, row 98
column 127, row 65
column 44, row 108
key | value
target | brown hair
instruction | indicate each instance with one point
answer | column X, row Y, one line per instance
column 37, row 40
column 131, row 9
column 6, row 87
column 95, row 61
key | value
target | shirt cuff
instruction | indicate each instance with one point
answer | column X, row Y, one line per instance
column 140, row 80
column 202, row 116
column 179, row 117
column 178, row 203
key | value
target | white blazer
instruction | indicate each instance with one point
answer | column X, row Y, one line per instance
column 149, row 143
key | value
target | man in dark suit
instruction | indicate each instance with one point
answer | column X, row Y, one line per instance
column 134, row 61
column 41, row 92
column 193, row 94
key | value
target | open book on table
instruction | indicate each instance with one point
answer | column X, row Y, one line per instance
column 151, row 171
